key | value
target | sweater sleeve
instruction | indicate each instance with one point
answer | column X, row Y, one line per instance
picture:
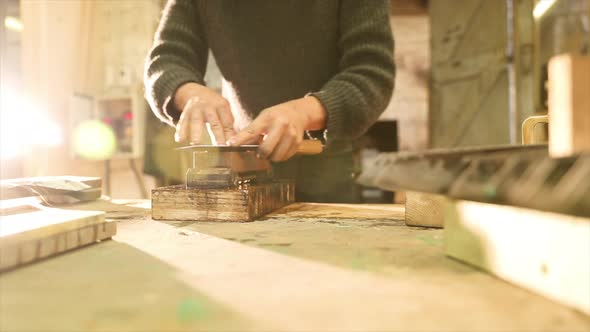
column 178, row 56
column 356, row 96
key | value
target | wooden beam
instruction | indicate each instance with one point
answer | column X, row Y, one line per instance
column 544, row 252
column 569, row 105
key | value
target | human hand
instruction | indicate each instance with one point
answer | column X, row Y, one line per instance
column 201, row 105
column 283, row 128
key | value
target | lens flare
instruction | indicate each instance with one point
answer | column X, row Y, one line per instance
column 542, row 7
column 24, row 124
column 94, row 140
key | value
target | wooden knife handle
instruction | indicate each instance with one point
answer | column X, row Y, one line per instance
column 308, row 147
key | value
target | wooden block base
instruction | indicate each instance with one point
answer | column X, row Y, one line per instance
column 177, row 203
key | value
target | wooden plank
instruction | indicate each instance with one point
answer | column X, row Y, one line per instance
column 381, row 212
column 177, row 203
column 569, row 105
column 545, row 252
column 425, row 210
column 32, row 232
column 14, row 255
column 53, row 189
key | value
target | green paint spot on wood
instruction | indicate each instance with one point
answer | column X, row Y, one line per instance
column 190, row 310
column 358, row 264
column 490, row 191
column 430, row 240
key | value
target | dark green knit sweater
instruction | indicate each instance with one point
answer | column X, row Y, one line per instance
column 272, row 51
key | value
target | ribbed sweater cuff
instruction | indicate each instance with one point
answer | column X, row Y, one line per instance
column 165, row 88
column 336, row 119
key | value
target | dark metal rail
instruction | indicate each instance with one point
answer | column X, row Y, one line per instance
column 522, row 176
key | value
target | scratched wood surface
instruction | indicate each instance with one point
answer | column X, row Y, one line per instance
column 306, row 267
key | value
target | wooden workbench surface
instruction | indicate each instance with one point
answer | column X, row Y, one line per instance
column 309, row 267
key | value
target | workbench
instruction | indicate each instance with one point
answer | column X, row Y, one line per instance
column 307, row 267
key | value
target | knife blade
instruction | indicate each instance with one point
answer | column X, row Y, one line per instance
column 307, row 147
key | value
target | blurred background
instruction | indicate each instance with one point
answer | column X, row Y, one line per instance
column 71, row 92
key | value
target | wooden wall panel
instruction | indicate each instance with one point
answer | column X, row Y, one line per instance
column 470, row 81
column 68, row 47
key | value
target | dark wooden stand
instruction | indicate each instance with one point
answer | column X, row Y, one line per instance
column 240, row 204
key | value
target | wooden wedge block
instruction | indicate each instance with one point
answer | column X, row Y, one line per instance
column 177, row 203
column 547, row 253
column 425, row 210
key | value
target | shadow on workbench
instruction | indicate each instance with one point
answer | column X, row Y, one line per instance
column 110, row 286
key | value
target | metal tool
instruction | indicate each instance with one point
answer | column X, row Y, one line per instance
column 223, row 166
column 522, row 176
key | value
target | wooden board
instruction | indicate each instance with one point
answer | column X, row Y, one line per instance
column 425, row 210
column 569, row 105
column 234, row 205
column 53, row 189
column 29, row 232
column 545, row 252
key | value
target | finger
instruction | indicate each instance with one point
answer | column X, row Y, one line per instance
column 266, row 149
column 294, row 148
column 182, row 126
column 227, row 122
column 251, row 133
column 196, row 126
column 284, row 146
column 288, row 145
column 215, row 125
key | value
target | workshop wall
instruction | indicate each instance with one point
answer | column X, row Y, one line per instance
column 482, row 69
column 10, row 77
column 409, row 105
column 50, row 62
column 95, row 48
